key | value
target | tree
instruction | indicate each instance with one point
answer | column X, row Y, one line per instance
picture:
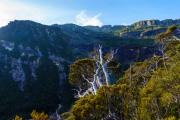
column 17, row 118
column 106, row 104
column 78, row 71
column 39, row 116
column 163, row 38
column 145, row 92
column 90, row 74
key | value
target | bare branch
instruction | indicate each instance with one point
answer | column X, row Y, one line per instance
column 96, row 59
column 80, row 92
column 97, row 70
column 94, row 85
column 57, row 110
column 111, row 56
column 86, row 79
column 176, row 38
column 99, row 81
column 100, row 54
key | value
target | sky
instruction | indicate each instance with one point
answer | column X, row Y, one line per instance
column 88, row 12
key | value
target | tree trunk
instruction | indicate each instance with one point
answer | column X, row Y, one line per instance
column 104, row 67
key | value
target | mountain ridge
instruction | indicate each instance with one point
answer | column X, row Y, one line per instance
column 136, row 30
column 151, row 22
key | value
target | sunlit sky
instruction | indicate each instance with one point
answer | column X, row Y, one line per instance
column 88, row 12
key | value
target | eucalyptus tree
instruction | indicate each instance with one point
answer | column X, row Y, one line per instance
column 165, row 37
column 89, row 74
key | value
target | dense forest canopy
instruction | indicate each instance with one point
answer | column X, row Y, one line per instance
column 148, row 89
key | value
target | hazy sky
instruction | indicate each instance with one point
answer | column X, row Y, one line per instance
column 88, row 12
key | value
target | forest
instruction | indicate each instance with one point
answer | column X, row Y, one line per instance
column 148, row 90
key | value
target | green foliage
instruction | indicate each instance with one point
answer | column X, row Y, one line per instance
column 166, row 36
column 35, row 116
column 140, row 31
column 39, row 116
column 82, row 71
column 171, row 29
column 17, row 118
column 146, row 91
column 99, row 106
column 81, row 67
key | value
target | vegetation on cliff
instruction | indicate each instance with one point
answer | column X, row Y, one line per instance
column 148, row 90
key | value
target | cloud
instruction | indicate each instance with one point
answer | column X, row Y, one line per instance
column 11, row 10
column 83, row 19
column 126, row 24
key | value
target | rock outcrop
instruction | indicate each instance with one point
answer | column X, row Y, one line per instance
column 166, row 22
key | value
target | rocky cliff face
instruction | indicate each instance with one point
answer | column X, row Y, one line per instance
column 146, row 29
column 27, row 43
column 166, row 22
column 34, row 61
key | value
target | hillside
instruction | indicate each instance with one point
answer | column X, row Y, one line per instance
column 141, row 29
column 35, row 61
column 149, row 90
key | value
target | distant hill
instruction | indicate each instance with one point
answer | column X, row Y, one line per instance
column 141, row 29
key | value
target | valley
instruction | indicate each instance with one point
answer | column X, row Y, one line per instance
column 35, row 59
